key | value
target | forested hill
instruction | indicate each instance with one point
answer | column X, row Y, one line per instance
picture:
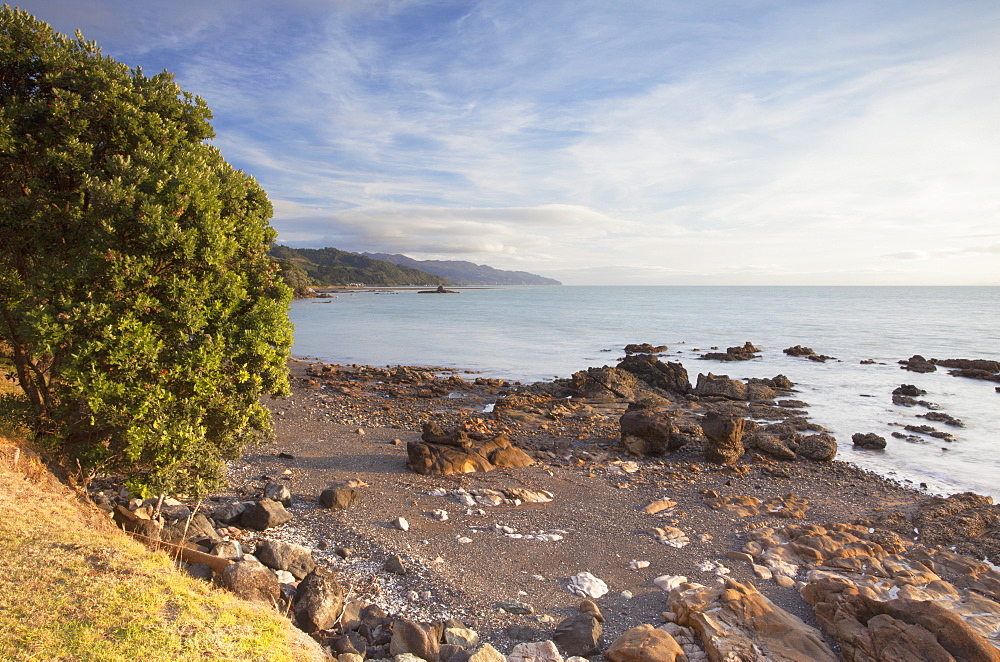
column 466, row 273
column 329, row 266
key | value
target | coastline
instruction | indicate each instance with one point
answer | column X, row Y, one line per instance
column 352, row 423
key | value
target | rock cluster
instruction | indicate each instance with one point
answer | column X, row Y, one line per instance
column 459, row 451
column 744, row 353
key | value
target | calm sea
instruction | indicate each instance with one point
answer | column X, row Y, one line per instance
column 534, row 334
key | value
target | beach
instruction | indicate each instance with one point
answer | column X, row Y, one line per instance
column 351, row 425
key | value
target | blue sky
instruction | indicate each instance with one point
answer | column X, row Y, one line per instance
column 639, row 142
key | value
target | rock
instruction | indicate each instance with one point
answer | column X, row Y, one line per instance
column 435, row 434
column 606, row 384
column 250, row 580
column 645, row 644
column 969, row 364
column 264, row 514
column 669, row 535
column 917, row 363
column 590, row 607
column 909, row 390
column 896, row 630
column 818, row 447
column 537, row 651
column 227, row 549
column 942, row 417
column 416, row 639
column 486, row 653
column 771, row 445
column 339, row 498
column 436, row 459
column 798, row 350
column 509, row 457
column 587, row 585
column 744, row 353
column 580, row 634
column 229, row 513
column 515, row 607
column 319, row 601
column 278, row 492
column 200, row 571
column 279, row 555
column 658, row 505
column 670, row 377
column 394, row 564
column 720, row 385
column 740, row 506
column 463, row 637
column 725, row 437
column 869, row 441
column 401, row 524
column 737, row 622
column 667, row 583
column 648, row 432
column 645, row 348
column 760, row 392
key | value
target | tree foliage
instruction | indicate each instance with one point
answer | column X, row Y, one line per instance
column 143, row 315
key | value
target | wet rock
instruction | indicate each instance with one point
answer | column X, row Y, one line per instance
column 941, row 417
column 737, row 622
column 725, row 437
column 279, row 555
column 917, row 363
column 798, row 350
column 645, row 348
column 972, row 373
column 744, row 353
column 930, row 432
column 870, row 441
column 250, row 580
column 580, row 634
column 818, row 447
column 909, row 390
column 969, row 364
column 645, row 644
column 264, row 514
column 319, row 601
column 896, row 630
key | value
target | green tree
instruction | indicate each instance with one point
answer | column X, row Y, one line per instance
column 144, row 318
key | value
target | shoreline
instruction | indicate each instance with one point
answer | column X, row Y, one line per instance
column 352, row 423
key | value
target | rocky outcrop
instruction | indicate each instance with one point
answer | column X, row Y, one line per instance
column 725, row 438
column 744, row 353
column 969, row 364
column 968, row 522
column 670, row 377
column 895, row 630
column 720, row 385
column 649, row 431
column 818, row 447
column 917, row 363
column 645, row 348
column 459, row 451
column 869, row 441
column 737, row 622
column 606, row 384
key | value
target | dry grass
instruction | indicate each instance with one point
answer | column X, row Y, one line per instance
column 72, row 587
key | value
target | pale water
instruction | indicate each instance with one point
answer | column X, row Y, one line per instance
column 533, row 334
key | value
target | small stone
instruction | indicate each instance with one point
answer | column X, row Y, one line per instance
column 658, row 506
column 515, row 607
column 587, row 585
column 762, row 572
column 784, row 581
column 638, row 565
column 464, row 540
column 461, row 637
column 627, row 594
column 394, row 564
column 401, row 524
column 360, row 431
column 413, row 596
column 668, row 583
column 439, row 515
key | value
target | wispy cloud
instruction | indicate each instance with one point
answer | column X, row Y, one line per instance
column 643, row 142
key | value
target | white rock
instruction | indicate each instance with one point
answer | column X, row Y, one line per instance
column 627, row 595
column 439, row 515
column 402, row 524
column 535, row 651
column 587, row 585
column 285, row 577
column 669, row 582
column 438, row 492
column 638, row 565
column 464, row 540
column 548, row 537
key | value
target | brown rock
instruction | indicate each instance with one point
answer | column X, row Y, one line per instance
column 580, row 634
column 436, row 459
column 737, row 622
column 318, row 601
column 720, row 385
column 510, row 457
column 647, row 432
column 819, row 447
column 645, row 644
column 896, row 630
column 339, row 498
column 725, row 437
column 671, row 377
column 251, row 581
column 416, row 639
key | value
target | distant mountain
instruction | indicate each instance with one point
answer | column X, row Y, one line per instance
column 466, row 273
column 329, row 266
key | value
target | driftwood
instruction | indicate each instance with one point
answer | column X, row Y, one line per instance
column 216, row 563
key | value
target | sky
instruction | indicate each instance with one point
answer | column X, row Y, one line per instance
column 645, row 142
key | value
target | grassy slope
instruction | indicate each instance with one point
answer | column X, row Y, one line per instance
column 72, row 587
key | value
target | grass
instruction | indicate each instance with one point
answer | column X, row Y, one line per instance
column 72, row 587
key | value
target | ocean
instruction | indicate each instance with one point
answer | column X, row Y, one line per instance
column 540, row 333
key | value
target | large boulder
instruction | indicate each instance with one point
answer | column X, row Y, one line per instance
column 318, row 601
column 649, row 431
column 437, row 459
column 605, row 384
column 895, row 630
column 339, row 498
column 416, row 639
column 668, row 376
column 819, row 447
column 870, row 441
column 580, row 634
column 194, row 527
column 264, row 514
column 725, row 437
column 279, row 555
column 737, row 622
column 251, row 581
column 720, row 385
column 772, row 445
column 645, row 644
